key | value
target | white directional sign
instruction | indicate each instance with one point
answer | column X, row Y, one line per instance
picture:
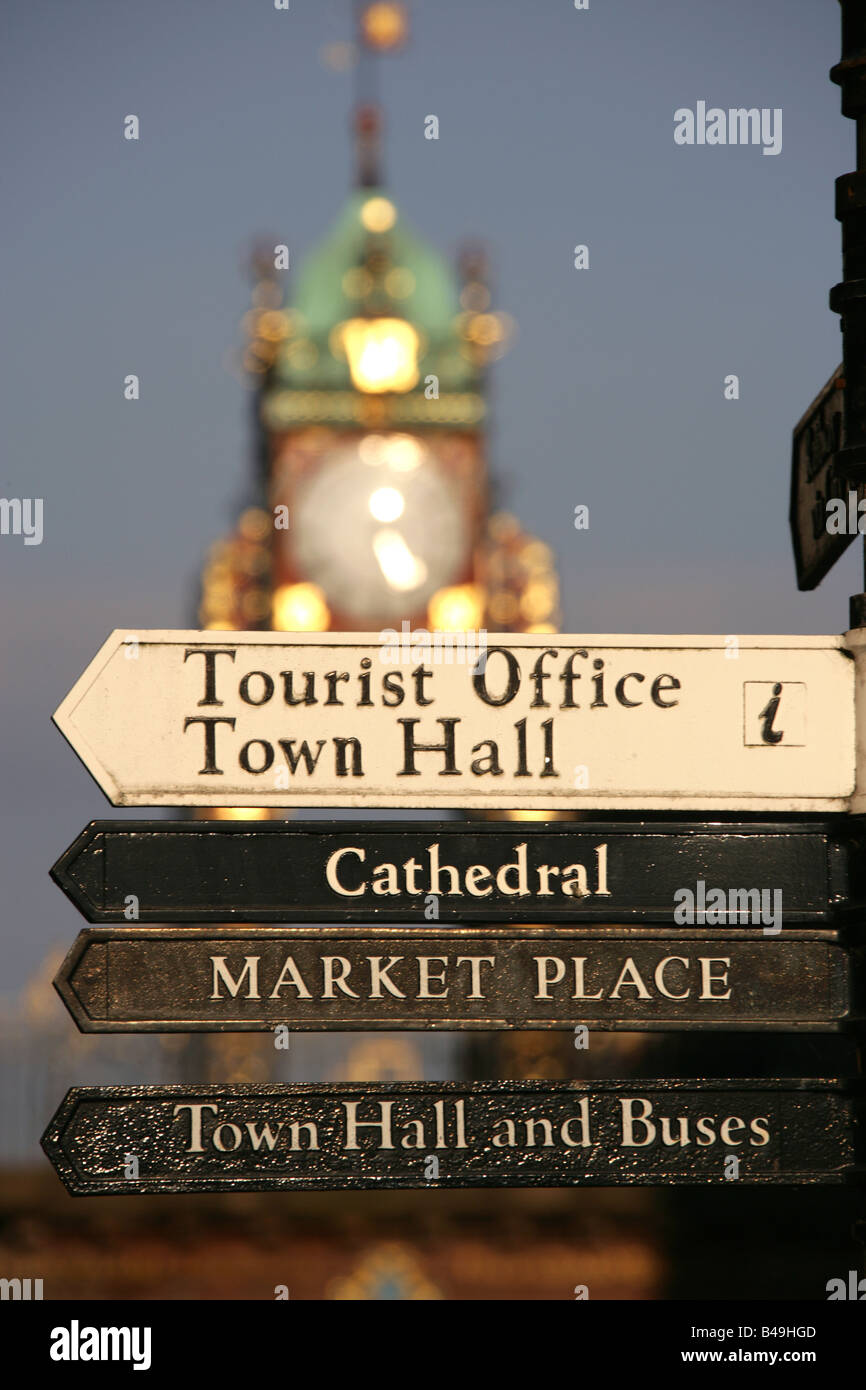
column 519, row 721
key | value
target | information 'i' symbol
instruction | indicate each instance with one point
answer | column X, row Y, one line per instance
column 768, row 714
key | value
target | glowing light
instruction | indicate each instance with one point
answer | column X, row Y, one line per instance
column 378, row 214
column 536, row 555
column 538, row 601
column 370, row 449
column 357, row 282
column 386, row 504
column 273, row 325
column 384, row 25
column 399, row 282
column 403, row 453
column 238, row 813
column 255, row 524
column 402, row 570
column 399, row 452
column 503, row 607
column 485, row 329
column 302, row 354
column 459, row 608
column 300, row 608
column 382, row 354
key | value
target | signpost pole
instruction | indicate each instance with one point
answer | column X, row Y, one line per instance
column 849, row 299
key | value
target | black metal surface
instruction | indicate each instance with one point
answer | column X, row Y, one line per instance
column 815, row 477
column 564, row 1134
column 163, row 979
column 233, row 871
column 848, row 298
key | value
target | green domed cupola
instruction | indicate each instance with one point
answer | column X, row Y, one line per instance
column 376, row 312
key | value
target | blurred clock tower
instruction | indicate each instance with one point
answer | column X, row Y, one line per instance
column 374, row 418
column 373, row 503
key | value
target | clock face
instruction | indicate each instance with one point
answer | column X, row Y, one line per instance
column 378, row 525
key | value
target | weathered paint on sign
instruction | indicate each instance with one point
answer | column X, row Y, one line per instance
column 197, row 979
column 126, row 1139
column 408, row 872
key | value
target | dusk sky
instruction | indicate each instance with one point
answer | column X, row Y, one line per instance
column 556, row 128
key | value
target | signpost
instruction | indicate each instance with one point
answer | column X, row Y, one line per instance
column 409, row 873
column 439, row 923
column 126, row 1139
column 530, row 721
column 816, row 479
column 197, row 979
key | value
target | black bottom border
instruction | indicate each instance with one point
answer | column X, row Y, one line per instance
column 227, row 1343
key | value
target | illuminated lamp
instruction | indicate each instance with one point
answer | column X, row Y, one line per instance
column 384, row 26
column 300, row 608
column 458, row 608
column 382, row 354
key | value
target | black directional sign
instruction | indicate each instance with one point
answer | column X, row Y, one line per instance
column 186, row 979
column 817, row 479
column 696, row 873
column 120, row 1139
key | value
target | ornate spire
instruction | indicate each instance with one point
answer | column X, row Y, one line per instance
column 381, row 28
column 367, row 123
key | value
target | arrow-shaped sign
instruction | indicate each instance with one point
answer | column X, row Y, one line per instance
column 126, row 1139
column 819, row 487
column 413, row 873
column 519, row 721
column 197, row 979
